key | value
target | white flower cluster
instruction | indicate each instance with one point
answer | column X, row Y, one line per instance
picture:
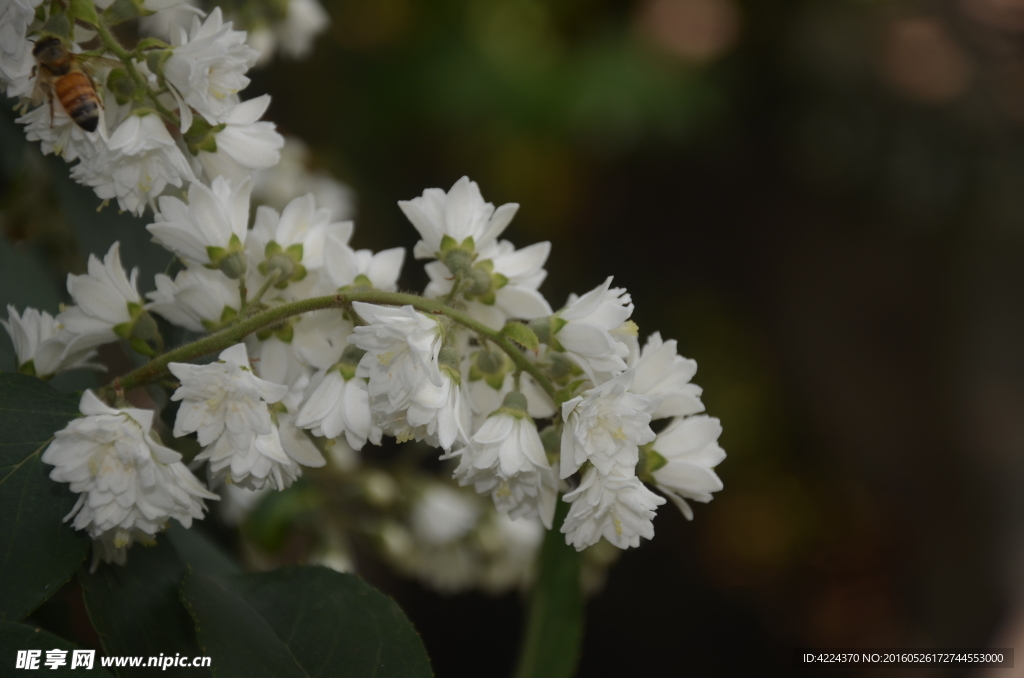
column 327, row 355
column 453, row 543
column 352, row 374
column 289, row 28
column 129, row 484
column 168, row 114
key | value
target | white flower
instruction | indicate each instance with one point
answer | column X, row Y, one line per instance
column 238, row 502
column 41, row 347
column 165, row 22
column 16, row 60
column 339, row 403
column 227, row 405
column 245, row 144
column 506, row 459
column 224, row 399
column 59, row 135
column 305, row 19
column 513, row 276
column 605, row 426
column 459, row 214
column 511, row 550
column 344, row 265
column 130, row 485
column 276, row 360
column 261, row 463
column 290, row 178
column 107, row 301
column 151, row 5
column 661, row 372
column 617, row 507
column 298, row 232
column 442, row 515
column 213, row 222
column 440, row 548
column 583, row 329
column 261, row 38
column 142, row 159
column 689, row 452
column 198, row 299
column 410, row 395
column 207, row 66
column 319, row 339
column 294, row 441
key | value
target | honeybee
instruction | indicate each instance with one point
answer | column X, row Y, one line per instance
column 61, row 72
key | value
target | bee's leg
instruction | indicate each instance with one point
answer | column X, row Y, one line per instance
column 49, row 96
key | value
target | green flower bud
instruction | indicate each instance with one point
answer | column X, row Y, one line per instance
column 233, row 265
column 542, row 328
column 514, row 401
column 459, row 261
column 649, row 462
column 122, row 86
column 123, row 10
column 57, row 25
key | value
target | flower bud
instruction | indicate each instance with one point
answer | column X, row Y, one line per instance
column 123, row 10
column 542, row 328
column 233, row 265
column 57, row 25
column 122, row 86
column 649, row 462
column 515, row 404
column 449, row 357
column 490, row 362
column 481, row 282
column 459, row 261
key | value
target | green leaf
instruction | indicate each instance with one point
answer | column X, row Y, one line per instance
column 302, row 622
column 522, row 335
column 198, row 552
column 14, row 637
column 38, row 551
column 554, row 623
column 278, row 512
column 136, row 610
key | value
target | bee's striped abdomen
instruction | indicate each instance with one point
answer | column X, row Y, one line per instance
column 76, row 94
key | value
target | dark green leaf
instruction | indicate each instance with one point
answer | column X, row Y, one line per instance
column 38, row 552
column 136, row 610
column 198, row 552
column 522, row 335
column 14, row 637
column 302, row 621
column 279, row 512
column 554, row 623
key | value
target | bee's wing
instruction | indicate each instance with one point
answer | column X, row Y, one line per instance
column 41, row 88
column 95, row 61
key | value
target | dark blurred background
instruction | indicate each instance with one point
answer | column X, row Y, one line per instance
column 823, row 200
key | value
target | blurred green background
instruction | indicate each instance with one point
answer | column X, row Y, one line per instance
column 823, row 200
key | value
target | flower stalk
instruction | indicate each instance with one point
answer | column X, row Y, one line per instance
column 157, row 369
column 111, row 44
